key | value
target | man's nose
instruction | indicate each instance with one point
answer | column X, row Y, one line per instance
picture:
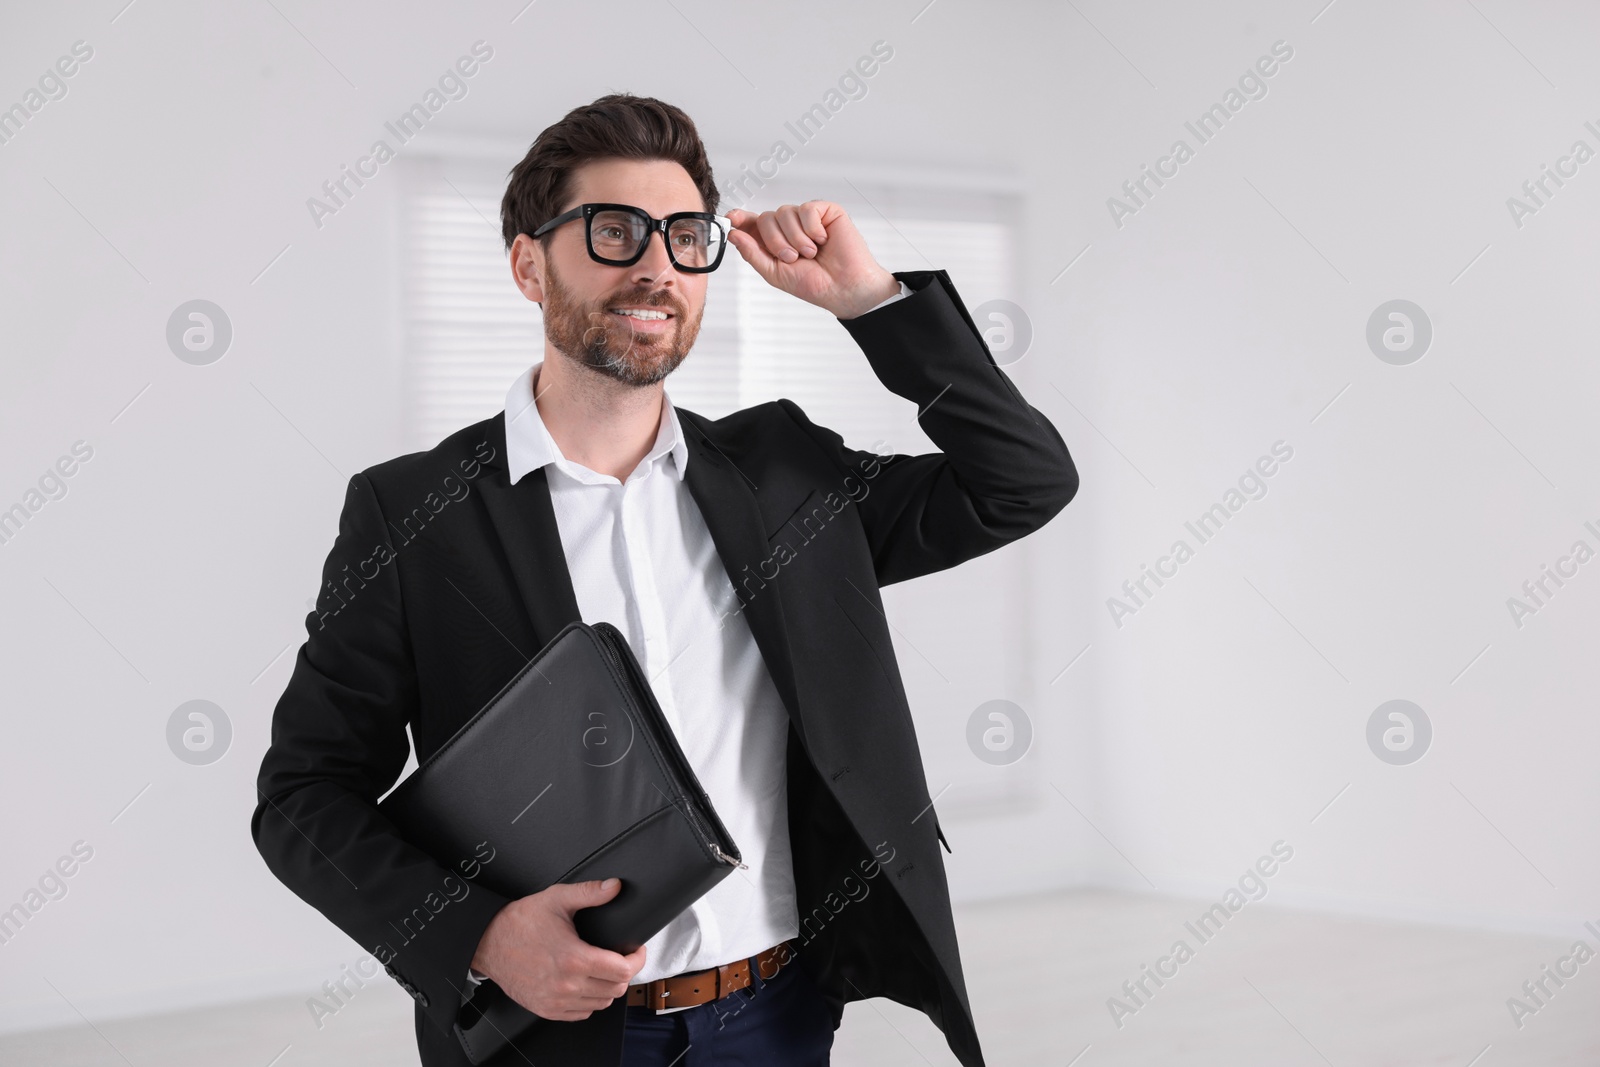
column 655, row 266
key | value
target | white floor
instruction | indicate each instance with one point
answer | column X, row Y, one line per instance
column 1272, row 989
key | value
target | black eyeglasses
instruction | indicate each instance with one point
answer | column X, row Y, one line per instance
column 617, row 234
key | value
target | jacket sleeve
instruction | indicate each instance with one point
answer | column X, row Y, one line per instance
column 338, row 743
column 1002, row 470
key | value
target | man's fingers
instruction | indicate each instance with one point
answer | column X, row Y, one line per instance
column 750, row 248
column 772, row 236
column 744, row 222
column 574, row 896
column 811, row 213
column 794, row 230
column 604, row 965
column 576, row 1010
column 607, row 991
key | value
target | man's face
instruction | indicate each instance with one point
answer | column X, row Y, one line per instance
column 605, row 317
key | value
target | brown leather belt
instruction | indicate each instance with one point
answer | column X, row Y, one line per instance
column 701, row 987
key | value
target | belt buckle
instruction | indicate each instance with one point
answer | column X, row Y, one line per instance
column 655, row 994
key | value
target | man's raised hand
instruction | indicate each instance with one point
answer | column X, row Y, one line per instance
column 813, row 251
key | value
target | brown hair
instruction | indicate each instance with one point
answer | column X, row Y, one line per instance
column 617, row 126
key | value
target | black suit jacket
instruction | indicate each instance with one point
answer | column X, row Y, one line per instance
column 445, row 579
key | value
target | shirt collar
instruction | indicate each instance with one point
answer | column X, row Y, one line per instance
column 529, row 445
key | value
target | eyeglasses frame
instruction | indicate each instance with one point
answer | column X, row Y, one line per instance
column 587, row 213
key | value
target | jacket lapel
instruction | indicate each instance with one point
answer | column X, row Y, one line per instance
column 726, row 498
column 525, row 524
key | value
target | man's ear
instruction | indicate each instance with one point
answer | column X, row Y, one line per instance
column 527, row 267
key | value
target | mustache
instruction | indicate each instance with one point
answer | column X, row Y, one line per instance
column 651, row 298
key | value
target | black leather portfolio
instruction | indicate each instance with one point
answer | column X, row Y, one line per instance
column 570, row 773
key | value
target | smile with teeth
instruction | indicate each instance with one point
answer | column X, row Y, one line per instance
column 642, row 314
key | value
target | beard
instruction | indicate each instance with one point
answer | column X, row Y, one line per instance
column 590, row 335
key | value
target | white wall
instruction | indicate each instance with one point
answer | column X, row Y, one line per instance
column 1219, row 319
column 1232, row 708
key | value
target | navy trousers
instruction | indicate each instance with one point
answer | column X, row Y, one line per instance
column 782, row 1021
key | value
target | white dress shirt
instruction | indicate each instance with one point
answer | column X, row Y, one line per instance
column 641, row 558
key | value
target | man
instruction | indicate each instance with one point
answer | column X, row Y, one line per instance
column 742, row 559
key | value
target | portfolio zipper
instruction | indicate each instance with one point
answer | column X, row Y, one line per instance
column 725, row 858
